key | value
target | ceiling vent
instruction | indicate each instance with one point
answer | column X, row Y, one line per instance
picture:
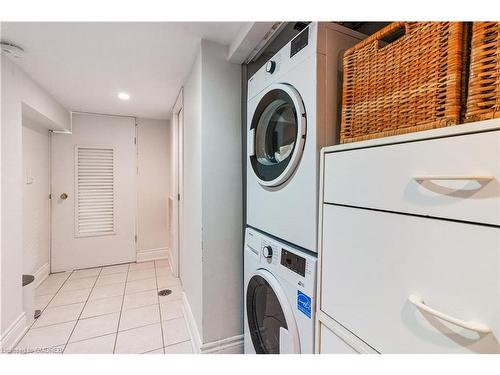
column 12, row 50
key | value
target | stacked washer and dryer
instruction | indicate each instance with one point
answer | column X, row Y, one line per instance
column 293, row 111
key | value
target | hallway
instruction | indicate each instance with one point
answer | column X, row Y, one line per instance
column 102, row 165
column 114, row 309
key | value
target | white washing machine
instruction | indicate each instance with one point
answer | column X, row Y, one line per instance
column 280, row 288
column 292, row 114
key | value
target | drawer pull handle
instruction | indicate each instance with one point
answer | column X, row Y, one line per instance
column 473, row 326
column 481, row 179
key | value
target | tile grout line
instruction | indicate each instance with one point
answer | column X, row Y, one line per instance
column 168, row 346
column 125, row 330
column 42, row 310
column 159, row 309
column 121, row 309
column 55, row 294
column 88, row 300
column 177, row 343
column 108, row 313
column 75, row 303
column 81, row 312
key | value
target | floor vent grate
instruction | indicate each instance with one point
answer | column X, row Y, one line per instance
column 164, row 292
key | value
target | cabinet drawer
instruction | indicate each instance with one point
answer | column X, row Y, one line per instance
column 437, row 177
column 368, row 276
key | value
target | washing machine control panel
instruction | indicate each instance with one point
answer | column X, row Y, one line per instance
column 293, row 262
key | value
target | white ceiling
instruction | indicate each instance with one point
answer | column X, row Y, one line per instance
column 85, row 64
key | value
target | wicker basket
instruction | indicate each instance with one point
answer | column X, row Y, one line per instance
column 410, row 84
column 483, row 101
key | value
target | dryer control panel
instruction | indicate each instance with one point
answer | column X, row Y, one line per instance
column 299, row 42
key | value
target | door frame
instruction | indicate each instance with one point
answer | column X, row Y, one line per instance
column 177, row 183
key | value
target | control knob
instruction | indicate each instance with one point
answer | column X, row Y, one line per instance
column 267, row 251
column 270, row 66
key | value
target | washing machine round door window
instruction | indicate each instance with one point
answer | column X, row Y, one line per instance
column 278, row 130
column 270, row 319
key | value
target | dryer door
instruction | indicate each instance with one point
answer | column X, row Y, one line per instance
column 278, row 130
column 270, row 318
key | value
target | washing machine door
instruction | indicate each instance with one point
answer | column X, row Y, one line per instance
column 270, row 318
column 278, row 131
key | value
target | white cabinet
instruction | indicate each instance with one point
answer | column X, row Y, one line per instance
column 409, row 265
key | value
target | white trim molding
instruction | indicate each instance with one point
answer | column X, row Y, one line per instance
column 41, row 274
column 170, row 259
column 14, row 333
column 228, row 345
column 152, row 254
column 191, row 324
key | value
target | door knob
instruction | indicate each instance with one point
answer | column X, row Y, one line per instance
column 64, row 196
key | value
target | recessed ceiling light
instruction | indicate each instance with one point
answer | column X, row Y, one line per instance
column 123, row 96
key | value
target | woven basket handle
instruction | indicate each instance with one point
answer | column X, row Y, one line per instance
column 376, row 40
column 392, row 30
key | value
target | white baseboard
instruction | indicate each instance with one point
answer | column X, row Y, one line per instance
column 171, row 261
column 191, row 324
column 152, row 254
column 14, row 333
column 41, row 274
column 229, row 345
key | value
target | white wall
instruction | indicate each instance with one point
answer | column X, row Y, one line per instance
column 153, row 187
column 36, row 208
column 18, row 93
column 211, row 254
column 190, row 253
column 222, row 194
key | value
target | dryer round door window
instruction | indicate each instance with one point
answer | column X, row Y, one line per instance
column 278, row 129
column 269, row 316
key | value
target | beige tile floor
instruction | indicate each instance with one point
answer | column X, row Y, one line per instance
column 113, row 309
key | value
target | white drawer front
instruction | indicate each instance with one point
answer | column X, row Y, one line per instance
column 330, row 343
column 373, row 261
column 389, row 177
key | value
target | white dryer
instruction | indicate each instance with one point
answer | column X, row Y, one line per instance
column 292, row 113
column 280, row 287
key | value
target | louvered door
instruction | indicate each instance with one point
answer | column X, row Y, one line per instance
column 95, row 192
column 96, row 167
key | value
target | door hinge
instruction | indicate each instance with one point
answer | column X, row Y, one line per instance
column 50, row 196
column 135, row 238
column 178, row 197
column 135, row 140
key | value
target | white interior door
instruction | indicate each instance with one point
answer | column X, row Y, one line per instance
column 177, row 180
column 94, row 193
